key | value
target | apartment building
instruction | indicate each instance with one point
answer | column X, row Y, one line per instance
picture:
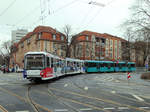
column 42, row 38
column 89, row 45
column 16, row 35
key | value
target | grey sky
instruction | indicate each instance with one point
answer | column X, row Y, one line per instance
column 57, row 13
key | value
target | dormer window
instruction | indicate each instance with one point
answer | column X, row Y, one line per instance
column 87, row 38
column 62, row 37
column 54, row 37
column 40, row 35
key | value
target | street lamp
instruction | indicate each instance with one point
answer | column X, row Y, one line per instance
column 96, row 3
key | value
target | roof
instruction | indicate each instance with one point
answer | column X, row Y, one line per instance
column 26, row 37
column 96, row 34
column 46, row 29
column 40, row 29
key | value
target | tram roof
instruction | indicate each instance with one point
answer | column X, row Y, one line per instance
column 72, row 59
column 131, row 62
column 95, row 61
column 45, row 53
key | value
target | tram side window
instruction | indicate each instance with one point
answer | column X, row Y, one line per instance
column 86, row 64
column 116, row 64
column 123, row 65
column 120, row 65
column 92, row 65
column 52, row 62
column 104, row 65
column 47, row 62
column 109, row 65
column 132, row 65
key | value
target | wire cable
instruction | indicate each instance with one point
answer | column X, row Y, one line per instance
column 96, row 14
column 9, row 6
column 27, row 15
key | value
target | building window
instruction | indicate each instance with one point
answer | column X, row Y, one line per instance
column 62, row 37
column 45, row 46
column 54, row 37
column 38, row 46
column 103, row 41
column 22, row 45
column 93, row 38
column 87, row 38
column 87, row 50
column 28, row 40
column 116, row 49
column 40, row 35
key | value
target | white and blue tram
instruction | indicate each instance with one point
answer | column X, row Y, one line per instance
column 44, row 66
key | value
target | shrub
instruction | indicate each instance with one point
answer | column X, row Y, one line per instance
column 145, row 76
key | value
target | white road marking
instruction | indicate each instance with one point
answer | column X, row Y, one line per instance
column 137, row 97
column 96, row 77
column 117, row 81
column 122, row 108
column 23, row 111
column 86, row 88
column 110, row 79
column 111, row 108
column 65, row 85
column 145, row 107
column 86, row 109
column 61, row 110
column 113, row 92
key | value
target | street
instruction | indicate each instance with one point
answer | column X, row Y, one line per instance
column 94, row 92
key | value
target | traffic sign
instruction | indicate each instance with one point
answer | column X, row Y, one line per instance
column 128, row 75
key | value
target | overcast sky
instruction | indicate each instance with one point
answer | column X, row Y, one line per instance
column 103, row 17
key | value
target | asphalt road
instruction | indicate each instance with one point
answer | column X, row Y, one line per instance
column 97, row 92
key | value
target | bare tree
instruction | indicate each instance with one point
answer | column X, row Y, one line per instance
column 6, row 52
column 67, row 31
column 139, row 24
column 127, row 45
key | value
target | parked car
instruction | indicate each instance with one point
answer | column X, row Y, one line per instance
column 4, row 68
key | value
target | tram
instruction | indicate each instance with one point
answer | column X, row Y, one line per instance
column 131, row 66
column 109, row 66
column 45, row 66
column 99, row 66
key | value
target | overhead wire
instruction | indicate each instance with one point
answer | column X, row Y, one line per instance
column 85, row 17
column 96, row 14
column 6, row 9
column 27, row 15
column 55, row 11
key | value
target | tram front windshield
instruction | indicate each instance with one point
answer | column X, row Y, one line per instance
column 34, row 62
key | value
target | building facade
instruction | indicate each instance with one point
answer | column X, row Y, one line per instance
column 16, row 35
column 89, row 45
column 41, row 39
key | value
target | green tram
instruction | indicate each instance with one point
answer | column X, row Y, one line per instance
column 109, row 66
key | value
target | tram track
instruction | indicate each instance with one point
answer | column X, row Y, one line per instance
column 105, row 92
column 27, row 99
column 31, row 101
column 58, row 98
column 76, row 102
column 117, row 95
column 3, row 109
column 105, row 100
column 94, row 98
